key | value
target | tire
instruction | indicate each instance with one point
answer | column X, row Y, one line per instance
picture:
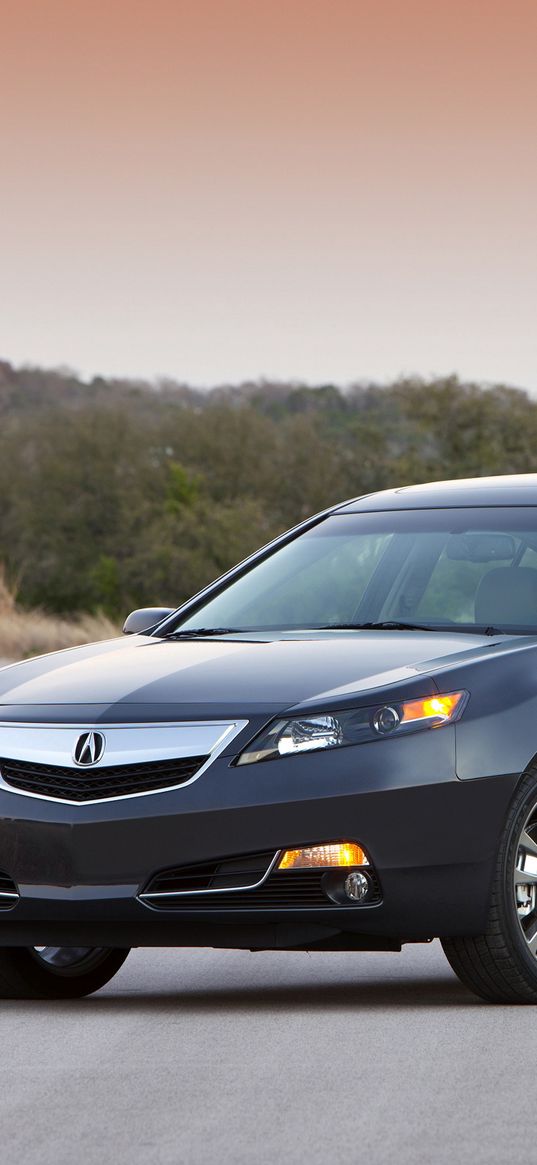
column 56, row 972
column 501, row 965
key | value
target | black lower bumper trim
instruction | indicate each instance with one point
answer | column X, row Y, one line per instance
column 238, row 936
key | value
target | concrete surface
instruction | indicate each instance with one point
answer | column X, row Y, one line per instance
column 207, row 1056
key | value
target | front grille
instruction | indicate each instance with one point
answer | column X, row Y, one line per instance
column 8, row 892
column 66, row 784
column 282, row 890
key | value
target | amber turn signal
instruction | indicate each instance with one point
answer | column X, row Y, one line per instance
column 334, row 854
column 433, row 708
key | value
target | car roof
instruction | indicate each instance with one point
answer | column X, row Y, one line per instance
column 508, row 490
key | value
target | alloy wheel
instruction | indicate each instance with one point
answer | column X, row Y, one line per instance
column 525, row 881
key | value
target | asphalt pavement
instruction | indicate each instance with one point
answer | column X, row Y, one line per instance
column 223, row 1056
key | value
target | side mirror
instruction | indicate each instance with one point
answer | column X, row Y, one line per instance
column 144, row 619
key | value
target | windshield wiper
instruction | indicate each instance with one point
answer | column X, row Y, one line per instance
column 202, row 632
column 386, row 625
column 396, row 625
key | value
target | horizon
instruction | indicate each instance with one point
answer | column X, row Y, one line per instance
column 163, row 380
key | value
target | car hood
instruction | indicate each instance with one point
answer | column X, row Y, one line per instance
column 232, row 675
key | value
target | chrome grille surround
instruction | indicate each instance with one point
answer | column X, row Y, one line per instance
column 126, row 744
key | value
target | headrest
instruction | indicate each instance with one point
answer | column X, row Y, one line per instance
column 507, row 594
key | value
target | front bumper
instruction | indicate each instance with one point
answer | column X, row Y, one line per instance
column 432, row 840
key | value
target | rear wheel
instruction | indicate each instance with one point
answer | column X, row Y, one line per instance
column 501, row 964
column 56, row 972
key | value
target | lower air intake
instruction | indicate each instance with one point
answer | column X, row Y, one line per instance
column 252, row 883
column 9, row 894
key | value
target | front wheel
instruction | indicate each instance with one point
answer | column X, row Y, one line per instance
column 501, row 964
column 56, row 972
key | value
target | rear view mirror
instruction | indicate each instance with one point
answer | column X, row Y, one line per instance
column 144, row 619
column 481, row 547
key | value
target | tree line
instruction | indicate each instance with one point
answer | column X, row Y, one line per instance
column 121, row 493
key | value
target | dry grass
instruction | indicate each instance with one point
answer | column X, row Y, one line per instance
column 27, row 633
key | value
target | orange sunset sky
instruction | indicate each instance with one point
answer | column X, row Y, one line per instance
column 226, row 189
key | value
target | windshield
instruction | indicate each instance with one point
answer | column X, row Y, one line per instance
column 466, row 569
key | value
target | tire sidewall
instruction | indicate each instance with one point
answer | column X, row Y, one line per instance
column 527, row 797
column 30, row 978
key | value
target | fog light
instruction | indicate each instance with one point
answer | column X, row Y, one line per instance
column 356, row 886
column 341, row 853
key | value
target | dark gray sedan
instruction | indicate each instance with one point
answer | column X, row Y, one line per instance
column 333, row 747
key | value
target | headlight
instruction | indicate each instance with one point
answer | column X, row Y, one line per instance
column 354, row 726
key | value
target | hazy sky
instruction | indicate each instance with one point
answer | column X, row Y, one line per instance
column 224, row 189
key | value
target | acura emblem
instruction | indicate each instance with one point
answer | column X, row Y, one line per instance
column 89, row 748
